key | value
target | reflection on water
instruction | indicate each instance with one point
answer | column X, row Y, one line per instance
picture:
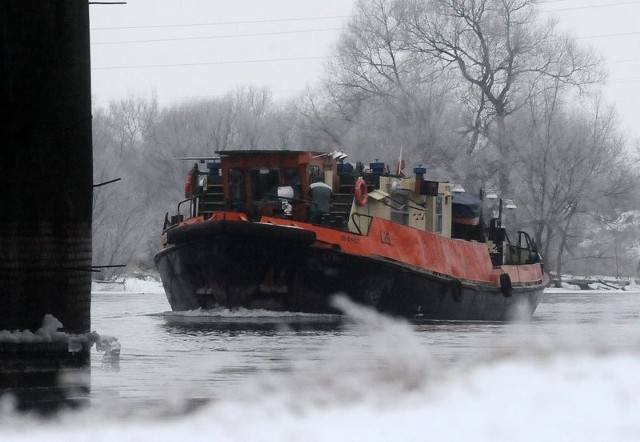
column 198, row 357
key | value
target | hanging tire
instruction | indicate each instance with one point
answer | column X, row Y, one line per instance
column 505, row 285
column 456, row 290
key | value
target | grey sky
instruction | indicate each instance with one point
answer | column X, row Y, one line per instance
column 178, row 58
column 209, row 67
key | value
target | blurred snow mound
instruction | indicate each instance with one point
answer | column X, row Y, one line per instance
column 588, row 397
column 389, row 362
column 568, row 397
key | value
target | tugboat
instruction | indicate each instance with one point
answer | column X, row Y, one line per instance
column 406, row 246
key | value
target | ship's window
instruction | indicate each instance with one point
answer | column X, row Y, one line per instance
column 236, row 188
column 292, row 178
column 264, row 184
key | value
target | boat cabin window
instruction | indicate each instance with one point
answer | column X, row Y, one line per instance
column 314, row 173
column 237, row 194
column 292, row 178
column 264, row 184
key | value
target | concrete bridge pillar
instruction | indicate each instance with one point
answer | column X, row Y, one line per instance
column 45, row 174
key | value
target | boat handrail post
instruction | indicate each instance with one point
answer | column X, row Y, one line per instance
column 520, row 234
column 500, row 244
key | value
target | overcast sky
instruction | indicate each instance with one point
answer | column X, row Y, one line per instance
column 201, row 48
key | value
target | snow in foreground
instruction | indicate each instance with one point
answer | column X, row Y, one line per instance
column 584, row 397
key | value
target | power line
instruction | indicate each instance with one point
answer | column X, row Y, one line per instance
column 330, row 17
column 247, row 22
column 265, row 60
column 573, row 8
column 624, row 80
column 290, row 32
column 300, row 31
column 262, row 34
column 287, row 59
column 619, row 34
column 629, row 60
column 212, row 37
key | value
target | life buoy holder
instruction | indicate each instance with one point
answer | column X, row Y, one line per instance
column 360, row 191
column 189, row 184
column 505, row 285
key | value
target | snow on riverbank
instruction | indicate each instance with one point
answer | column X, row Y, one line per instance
column 133, row 284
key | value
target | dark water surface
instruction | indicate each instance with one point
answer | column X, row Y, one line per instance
column 171, row 359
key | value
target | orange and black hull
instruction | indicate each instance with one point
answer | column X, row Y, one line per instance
column 281, row 265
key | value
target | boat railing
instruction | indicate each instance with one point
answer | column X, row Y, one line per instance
column 356, row 222
column 193, row 201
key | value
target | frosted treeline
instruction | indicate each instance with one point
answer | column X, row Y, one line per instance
column 484, row 93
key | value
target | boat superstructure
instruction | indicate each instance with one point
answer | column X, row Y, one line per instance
column 404, row 245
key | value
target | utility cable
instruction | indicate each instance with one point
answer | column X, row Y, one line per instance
column 212, row 37
column 247, row 22
column 265, row 60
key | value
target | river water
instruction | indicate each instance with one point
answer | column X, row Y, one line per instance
column 184, row 359
column 569, row 373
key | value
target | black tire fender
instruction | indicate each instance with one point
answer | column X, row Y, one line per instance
column 505, row 285
column 456, row 290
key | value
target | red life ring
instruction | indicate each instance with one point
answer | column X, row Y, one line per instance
column 188, row 184
column 360, row 191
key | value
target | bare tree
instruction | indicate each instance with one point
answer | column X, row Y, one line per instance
column 504, row 52
column 112, row 229
column 381, row 96
column 251, row 106
column 573, row 170
column 282, row 127
column 326, row 118
column 371, row 58
column 132, row 120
